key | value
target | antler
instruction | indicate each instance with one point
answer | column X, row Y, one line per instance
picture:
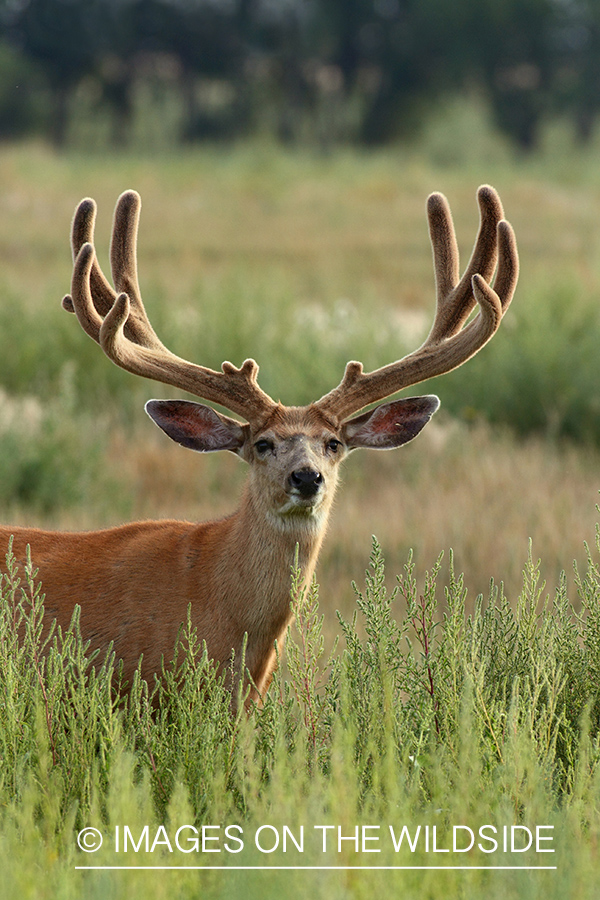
column 450, row 342
column 118, row 321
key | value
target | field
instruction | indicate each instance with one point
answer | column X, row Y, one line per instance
column 304, row 262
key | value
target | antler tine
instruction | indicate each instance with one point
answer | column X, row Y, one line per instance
column 123, row 330
column 450, row 341
column 455, row 299
column 123, row 262
column 80, row 299
column 82, row 232
column 508, row 265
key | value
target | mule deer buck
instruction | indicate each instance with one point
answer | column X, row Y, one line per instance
column 134, row 583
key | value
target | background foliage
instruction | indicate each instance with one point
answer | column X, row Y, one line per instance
column 360, row 71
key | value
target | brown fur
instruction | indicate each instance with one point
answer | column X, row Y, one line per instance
column 134, row 583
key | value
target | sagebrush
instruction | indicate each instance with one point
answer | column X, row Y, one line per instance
column 422, row 716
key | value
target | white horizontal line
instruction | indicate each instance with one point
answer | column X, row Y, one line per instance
column 312, row 868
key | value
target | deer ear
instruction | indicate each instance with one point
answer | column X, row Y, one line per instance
column 389, row 425
column 196, row 426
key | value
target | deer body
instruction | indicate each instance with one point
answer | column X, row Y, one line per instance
column 134, row 583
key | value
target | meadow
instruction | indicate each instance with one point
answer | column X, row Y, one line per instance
column 303, row 262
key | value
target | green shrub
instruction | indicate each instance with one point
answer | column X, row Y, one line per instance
column 50, row 457
column 423, row 717
column 540, row 373
column 44, row 353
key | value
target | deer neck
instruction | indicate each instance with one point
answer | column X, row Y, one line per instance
column 256, row 563
column 272, row 539
column 258, row 554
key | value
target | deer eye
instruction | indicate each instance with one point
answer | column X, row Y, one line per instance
column 263, row 446
column 333, row 445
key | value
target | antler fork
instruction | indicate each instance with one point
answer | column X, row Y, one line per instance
column 117, row 320
column 450, row 341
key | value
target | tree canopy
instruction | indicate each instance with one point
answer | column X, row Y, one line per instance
column 351, row 70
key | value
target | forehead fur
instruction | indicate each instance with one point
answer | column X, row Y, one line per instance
column 288, row 420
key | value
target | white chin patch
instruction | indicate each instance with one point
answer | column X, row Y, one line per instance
column 298, row 505
column 298, row 511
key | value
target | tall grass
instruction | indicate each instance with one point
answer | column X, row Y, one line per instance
column 426, row 720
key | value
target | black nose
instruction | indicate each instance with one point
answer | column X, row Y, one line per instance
column 306, row 481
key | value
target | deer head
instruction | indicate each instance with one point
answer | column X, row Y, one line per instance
column 294, row 452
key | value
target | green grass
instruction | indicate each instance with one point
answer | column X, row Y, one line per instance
column 430, row 720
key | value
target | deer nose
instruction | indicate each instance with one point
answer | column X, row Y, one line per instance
column 306, row 481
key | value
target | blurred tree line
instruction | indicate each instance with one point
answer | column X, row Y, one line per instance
column 328, row 70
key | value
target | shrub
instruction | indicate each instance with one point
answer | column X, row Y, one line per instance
column 541, row 372
column 422, row 717
column 44, row 353
column 49, row 458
